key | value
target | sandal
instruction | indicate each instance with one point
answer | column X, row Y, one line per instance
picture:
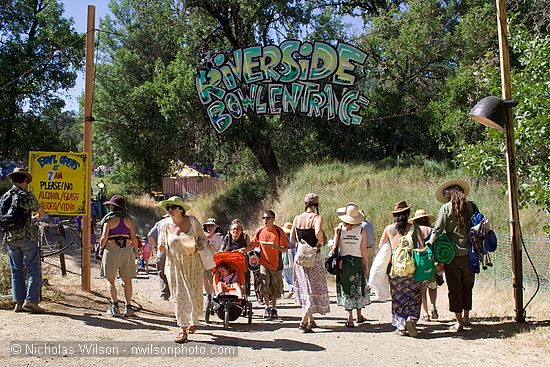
column 426, row 318
column 434, row 313
column 401, row 332
column 181, row 337
column 191, row 329
column 349, row 324
column 303, row 326
column 411, row 328
column 361, row 319
column 307, row 329
column 312, row 324
column 456, row 328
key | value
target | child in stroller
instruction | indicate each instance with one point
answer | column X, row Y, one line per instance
column 230, row 278
column 228, row 281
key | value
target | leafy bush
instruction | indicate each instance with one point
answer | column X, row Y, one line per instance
column 5, row 272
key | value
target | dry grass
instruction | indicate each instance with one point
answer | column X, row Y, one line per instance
column 536, row 339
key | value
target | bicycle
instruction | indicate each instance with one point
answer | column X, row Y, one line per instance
column 64, row 236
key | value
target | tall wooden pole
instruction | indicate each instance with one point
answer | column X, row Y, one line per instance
column 517, row 272
column 88, row 95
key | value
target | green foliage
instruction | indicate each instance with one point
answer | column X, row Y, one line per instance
column 5, row 272
column 40, row 54
column 375, row 188
column 240, row 198
column 530, row 75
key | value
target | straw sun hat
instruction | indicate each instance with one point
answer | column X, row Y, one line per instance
column 350, row 214
column 21, row 171
column 287, row 227
column 400, row 207
column 445, row 185
column 421, row 213
column 174, row 200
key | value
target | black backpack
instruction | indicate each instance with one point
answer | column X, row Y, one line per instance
column 12, row 214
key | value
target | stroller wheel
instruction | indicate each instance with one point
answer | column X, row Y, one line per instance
column 226, row 319
column 249, row 312
column 209, row 311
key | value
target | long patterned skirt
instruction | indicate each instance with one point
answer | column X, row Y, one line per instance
column 351, row 285
column 406, row 295
column 310, row 287
column 185, row 276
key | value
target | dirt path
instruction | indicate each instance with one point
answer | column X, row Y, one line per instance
column 80, row 318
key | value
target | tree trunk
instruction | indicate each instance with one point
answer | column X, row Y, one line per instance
column 263, row 151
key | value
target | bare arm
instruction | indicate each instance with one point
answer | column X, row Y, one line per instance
column 336, row 238
column 364, row 253
column 133, row 237
column 385, row 238
column 293, row 238
column 318, row 221
column 104, row 234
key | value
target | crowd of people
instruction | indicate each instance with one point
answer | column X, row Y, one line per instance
column 289, row 257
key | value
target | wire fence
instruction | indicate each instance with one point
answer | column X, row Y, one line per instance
column 501, row 271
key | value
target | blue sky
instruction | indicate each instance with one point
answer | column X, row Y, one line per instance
column 78, row 10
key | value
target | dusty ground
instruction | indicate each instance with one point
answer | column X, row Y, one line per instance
column 79, row 317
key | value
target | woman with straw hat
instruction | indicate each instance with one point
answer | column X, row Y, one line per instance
column 180, row 237
column 406, row 293
column 454, row 219
column 310, row 284
column 424, row 221
column 350, row 241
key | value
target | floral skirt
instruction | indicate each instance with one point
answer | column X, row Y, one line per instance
column 406, row 296
column 351, row 285
column 310, row 287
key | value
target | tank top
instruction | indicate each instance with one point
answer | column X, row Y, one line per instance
column 350, row 242
column 119, row 230
column 307, row 235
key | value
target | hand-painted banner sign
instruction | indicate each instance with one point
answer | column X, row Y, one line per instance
column 60, row 182
column 292, row 77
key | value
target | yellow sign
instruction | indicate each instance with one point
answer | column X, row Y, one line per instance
column 60, row 182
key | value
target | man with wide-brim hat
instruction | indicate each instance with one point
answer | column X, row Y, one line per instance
column 175, row 201
column 440, row 192
column 21, row 241
column 20, row 172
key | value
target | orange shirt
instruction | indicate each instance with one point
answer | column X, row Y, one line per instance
column 270, row 256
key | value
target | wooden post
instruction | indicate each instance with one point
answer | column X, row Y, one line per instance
column 88, row 94
column 62, row 264
column 513, row 210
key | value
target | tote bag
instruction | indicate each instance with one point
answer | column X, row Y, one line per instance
column 305, row 254
column 425, row 265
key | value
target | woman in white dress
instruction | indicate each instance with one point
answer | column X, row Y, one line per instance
column 180, row 238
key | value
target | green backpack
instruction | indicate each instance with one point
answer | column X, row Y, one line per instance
column 425, row 265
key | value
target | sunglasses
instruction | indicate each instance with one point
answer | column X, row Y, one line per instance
column 173, row 207
column 267, row 218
